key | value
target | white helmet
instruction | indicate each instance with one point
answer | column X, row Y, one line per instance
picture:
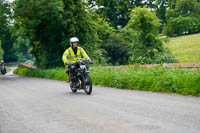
column 73, row 39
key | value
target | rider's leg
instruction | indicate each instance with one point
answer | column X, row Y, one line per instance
column 67, row 71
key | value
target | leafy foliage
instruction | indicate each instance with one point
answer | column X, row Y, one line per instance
column 117, row 49
column 146, row 45
column 183, row 18
column 50, row 24
column 1, row 52
column 114, row 11
column 117, row 12
column 22, row 45
column 41, row 19
column 41, row 29
column 161, row 8
column 5, row 34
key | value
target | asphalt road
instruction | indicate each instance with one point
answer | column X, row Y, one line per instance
column 33, row 105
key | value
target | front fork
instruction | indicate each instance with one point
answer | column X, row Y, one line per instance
column 79, row 79
column 84, row 76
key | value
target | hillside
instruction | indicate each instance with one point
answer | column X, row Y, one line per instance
column 186, row 48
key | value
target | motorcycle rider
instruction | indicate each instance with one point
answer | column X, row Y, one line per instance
column 73, row 53
column 2, row 67
column 2, row 63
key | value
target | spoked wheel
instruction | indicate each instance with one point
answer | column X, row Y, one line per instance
column 87, row 82
column 74, row 90
column 72, row 86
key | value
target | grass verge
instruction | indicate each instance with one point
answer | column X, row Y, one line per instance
column 157, row 79
column 7, row 69
column 56, row 74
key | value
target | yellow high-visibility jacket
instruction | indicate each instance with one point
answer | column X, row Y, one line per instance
column 69, row 55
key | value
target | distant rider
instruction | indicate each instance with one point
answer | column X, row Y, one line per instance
column 2, row 63
column 2, row 67
column 73, row 53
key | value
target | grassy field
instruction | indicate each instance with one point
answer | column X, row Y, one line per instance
column 186, row 48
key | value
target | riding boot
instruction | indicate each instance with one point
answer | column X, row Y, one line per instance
column 69, row 76
column 70, row 79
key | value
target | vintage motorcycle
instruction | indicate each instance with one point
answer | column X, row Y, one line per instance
column 80, row 76
column 3, row 68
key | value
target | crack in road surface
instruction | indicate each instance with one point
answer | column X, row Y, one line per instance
column 34, row 105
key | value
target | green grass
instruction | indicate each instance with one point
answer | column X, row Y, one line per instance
column 56, row 74
column 7, row 69
column 186, row 48
column 156, row 79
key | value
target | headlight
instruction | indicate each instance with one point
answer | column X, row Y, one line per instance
column 82, row 66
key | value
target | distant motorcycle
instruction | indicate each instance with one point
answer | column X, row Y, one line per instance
column 3, row 68
column 80, row 76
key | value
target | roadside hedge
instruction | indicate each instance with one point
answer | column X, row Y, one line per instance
column 157, row 79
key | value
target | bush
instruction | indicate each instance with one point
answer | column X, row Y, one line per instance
column 117, row 49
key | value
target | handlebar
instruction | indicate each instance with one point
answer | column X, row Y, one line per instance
column 81, row 60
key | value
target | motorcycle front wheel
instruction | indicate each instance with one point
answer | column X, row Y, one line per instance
column 74, row 90
column 87, row 84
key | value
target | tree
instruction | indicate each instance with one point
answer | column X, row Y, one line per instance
column 161, row 7
column 50, row 24
column 42, row 20
column 5, row 34
column 146, row 46
column 103, row 27
column 186, row 7
column 183, row 18
column 22, row 46
column 172, row 3
column 1, row 52
column 116, row 12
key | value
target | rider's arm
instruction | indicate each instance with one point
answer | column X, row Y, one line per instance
column 84, row 54
column 64, row 57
